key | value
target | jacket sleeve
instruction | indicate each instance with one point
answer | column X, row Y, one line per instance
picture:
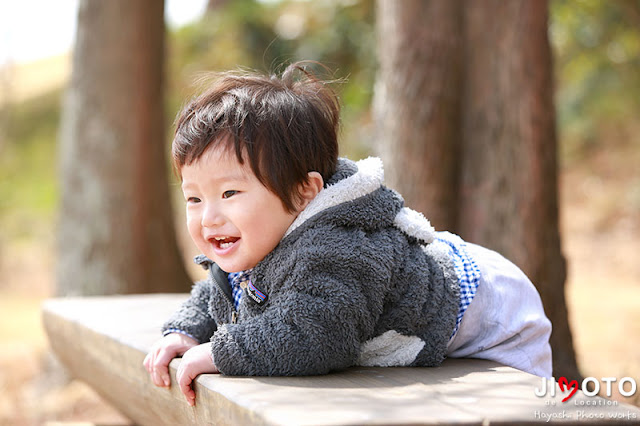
column 193, row 316
column 313, row 325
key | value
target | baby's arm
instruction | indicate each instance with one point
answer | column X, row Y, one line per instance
column 197, row 360
column 196, row 326
column 162, row 352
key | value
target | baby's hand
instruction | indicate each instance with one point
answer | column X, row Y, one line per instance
column 162, row 352
column 195, row 361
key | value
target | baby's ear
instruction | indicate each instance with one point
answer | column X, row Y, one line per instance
column 308, row 190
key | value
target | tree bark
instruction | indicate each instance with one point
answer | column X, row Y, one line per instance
column 509, row 192
column 416, row 103
column 116, row 231
column 485, row 68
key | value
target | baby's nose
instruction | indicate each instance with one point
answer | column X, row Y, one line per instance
column 212, row 217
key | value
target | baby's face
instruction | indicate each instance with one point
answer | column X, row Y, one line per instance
column 232, row 218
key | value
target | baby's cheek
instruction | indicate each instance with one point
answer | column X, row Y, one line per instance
column 196, row 237
column 193, row 224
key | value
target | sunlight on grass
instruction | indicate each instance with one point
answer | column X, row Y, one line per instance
column 605, row 320
column 31, row 79
column 20, row 322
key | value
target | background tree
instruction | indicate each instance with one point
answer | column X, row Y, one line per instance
column 509, row 191
column 494, row 182
column 417, row 103
column 116, row 231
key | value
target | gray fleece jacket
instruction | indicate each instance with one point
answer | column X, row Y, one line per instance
column 354, row 281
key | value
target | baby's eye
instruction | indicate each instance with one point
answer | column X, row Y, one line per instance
column 229, row 194
column 193, row 200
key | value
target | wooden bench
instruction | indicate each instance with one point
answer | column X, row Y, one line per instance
column 103, row 341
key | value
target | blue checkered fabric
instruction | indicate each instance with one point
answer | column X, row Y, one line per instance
column 236, row 279
column 466, row 270
column 177, row 330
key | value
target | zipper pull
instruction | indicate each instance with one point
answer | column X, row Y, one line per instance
column 234, row 316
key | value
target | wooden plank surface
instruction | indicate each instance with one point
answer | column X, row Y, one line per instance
column 103, row 341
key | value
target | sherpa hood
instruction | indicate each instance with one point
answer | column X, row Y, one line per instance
column 356, row 196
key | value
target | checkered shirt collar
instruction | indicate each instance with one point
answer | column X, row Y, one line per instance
column 238, row 282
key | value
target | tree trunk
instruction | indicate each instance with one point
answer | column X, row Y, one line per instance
column 417, row 103
column 509, row 191
column 116, row 231
column 494, row 181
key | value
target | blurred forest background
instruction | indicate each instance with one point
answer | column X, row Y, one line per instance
column 596, row 49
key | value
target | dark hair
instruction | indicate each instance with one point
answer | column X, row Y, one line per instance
column 287, row 126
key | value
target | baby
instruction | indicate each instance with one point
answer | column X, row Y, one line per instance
column 314, row 265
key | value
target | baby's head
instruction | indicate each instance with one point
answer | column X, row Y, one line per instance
column 252, row 151
column 283, row 127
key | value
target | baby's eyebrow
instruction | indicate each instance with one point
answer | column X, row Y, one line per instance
column 235, row 177
column 185, row 185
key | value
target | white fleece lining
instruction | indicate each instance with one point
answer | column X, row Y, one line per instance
column 414, row 223
column 390, row 349
column 367, row 179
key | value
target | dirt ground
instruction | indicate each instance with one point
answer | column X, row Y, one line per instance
column 601, row 237
column 600, row 213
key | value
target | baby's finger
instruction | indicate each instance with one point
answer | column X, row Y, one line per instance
column 150, row 363
column 160, row 376
column 166, row 379
column 191, row 397
column 162, row 360
column 184, row 381
column 147, row 363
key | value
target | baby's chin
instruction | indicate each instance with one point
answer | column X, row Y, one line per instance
column 232, row 262
column 230, row 267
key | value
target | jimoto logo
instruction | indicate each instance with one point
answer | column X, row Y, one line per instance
column 590, row 386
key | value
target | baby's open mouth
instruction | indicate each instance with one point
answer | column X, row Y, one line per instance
column 224, row 242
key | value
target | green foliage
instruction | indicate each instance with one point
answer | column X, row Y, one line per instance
column 28, row 184
column 597, row 57
column 268, row 35
column 247, row 33
column 597, row 51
